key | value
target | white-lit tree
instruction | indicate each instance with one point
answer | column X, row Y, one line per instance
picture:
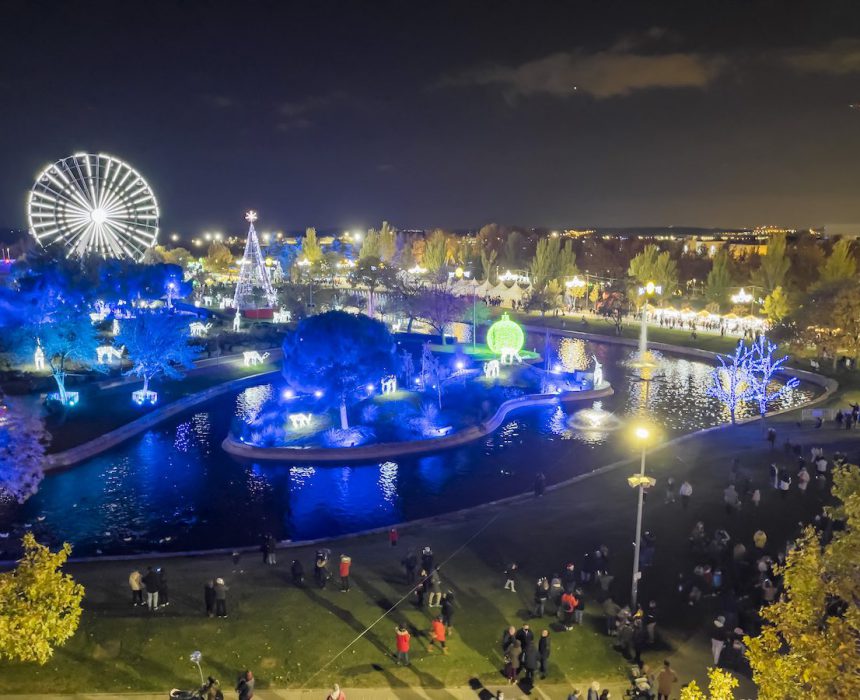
column 730, row 382
column 762, row 370
column 157, row 343
column 22, row 450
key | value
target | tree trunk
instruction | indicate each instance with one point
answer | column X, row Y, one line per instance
column 145, row 383
column 344, row 419
column 60, row 378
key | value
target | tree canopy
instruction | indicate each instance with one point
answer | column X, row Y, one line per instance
column 22, row 450
column 719, row 278
column 337, row 353
column 809, row 643
column 653, row 266
column 840, row 264
column 774, row 264
column 40, row 606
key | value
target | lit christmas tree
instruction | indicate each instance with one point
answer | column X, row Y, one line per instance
column 252, row 272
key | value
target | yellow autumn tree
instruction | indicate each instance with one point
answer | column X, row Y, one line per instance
column 40, row 606
column 721, row 686
column 809, row 643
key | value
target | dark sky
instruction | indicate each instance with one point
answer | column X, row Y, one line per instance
column 341, row 114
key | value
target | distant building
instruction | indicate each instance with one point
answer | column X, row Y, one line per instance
column 844, row 230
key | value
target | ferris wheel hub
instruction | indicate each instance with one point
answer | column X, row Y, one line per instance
column 98, row 215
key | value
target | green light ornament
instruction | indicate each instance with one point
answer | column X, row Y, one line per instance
column 505, row 336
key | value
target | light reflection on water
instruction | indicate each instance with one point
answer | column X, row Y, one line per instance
column 174, row 488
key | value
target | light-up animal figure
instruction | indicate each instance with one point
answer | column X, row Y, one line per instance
column 509, row 356
column 252, row 357
column 199, row 330
column 389, row 385
column 300, row 420
column 107, row 353
column 491, row 369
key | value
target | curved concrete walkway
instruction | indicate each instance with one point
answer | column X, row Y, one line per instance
column 386, row 450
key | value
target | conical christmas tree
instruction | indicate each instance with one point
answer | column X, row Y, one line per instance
column 252, row 272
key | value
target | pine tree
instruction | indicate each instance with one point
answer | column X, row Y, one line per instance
column 311, row 249
column 719, row 278
column 839, row 265
column 774, row 265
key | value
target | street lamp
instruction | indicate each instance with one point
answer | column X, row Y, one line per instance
column 641, row 482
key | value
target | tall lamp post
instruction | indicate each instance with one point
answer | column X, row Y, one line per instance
column 641, row 482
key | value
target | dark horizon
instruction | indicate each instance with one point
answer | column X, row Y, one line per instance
column 340, row 115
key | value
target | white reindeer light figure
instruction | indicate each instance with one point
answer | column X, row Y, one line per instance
column 106, row 353
column 199, row 330
column 389, row 385
column 300, row 420
column 491, row 369
column 252, row 357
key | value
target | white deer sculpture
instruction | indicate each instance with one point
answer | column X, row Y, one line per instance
column 107, row 353
column 510, row 356
column 252, row 357
column 389, row 385
column 491, row 369
column 199, row 330
column 300, row 420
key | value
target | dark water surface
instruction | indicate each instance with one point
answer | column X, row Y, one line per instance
column 173, row 488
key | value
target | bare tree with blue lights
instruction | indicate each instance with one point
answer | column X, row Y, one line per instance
column 762, row 370
column 731, row 382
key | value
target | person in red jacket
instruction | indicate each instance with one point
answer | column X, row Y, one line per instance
column 437, row 635
column 403, row 638
column 345, row 563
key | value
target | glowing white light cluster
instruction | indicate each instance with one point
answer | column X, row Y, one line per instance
column 281, row 316
column 252, row 357
column 39, row 358
column 72, row 398
column 94, row 203
column 142, row 396
column 105, row 354
column 300, row 420
column 199, row 330
column 389, row 385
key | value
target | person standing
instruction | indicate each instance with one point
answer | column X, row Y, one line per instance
column 651, row 622
column 220, row 597
column 525, row 636
column 209, row 598
column 718, row 638
column 345, row 563
column 670, row 490
column 540, row 484
column 579, row 609
column 410, row 564
column 297, row 571
column 245, row 686
column 530, row 661
column 434, row 600
column 393, row 537
column 448, row 612
column 437, row 635
column 685, row 492
column 135, row 583
column 509, row 636
column 594, row 691
column 541, row 595
column 163, row 592
column 544, row 649
column 321, row 569
column 150, row 584
column 271, row 547
column 771, row 437
column 511, row 577
column 336, row 693
column 403, row 639
column 665, row 679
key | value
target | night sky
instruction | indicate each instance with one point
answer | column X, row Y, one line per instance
column 341, row 114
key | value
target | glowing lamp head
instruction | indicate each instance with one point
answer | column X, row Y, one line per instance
column 288, row 393
column 460, row 364
column 642, row 433
column 318, row 394
column 98, row 215
column 505, row 336
column 369, row 388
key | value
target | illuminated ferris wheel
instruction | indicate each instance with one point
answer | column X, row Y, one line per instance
column 94, row 203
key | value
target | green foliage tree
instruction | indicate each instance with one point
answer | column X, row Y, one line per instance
column 372, row 273
column 513, row 254
column 370, row 246
column 719, row 278
column 776, row 306
column 387, row 237
column 22, row 450
column 721, row 686
column 774, row 265
column 311, row 249
column 218, row 257
column 808, row 646
column 436, row 251
column 552, row 262
column 653, row 266
column 40, row 606
column 839, row 265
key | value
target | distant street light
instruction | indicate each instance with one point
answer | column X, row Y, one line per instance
column 641, row 482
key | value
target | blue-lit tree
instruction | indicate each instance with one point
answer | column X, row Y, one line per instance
column 763, row 368
column 66, row 336
column 338, row 354
column 157, row 343
column 731, row 382
column 22, row 450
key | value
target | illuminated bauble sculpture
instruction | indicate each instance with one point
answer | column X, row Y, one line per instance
column 505, row 337
column 93, row 204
